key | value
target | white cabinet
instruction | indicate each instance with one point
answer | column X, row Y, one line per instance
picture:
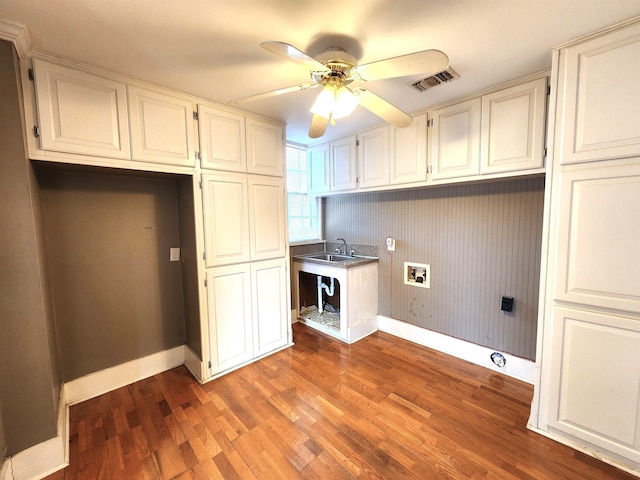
column 408, row 147
column 265, row 148
column 162, row 128
column 230, row 319
column 455, row 145
column 588, row 393
column 373, row 157
column 344, row 174
column 226, row 218
column 81, row 113
column 318, row 169
column 513, row 123
column 270, row 307
column 222, row 139
column 601, row 117
column 267, row 217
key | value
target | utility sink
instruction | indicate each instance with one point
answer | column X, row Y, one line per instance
column 331, row 257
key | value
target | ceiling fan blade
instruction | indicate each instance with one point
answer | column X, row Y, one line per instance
column 425, row 62
column 292, row 53
column 382, row 108
column 318, row 126
column 280, row 91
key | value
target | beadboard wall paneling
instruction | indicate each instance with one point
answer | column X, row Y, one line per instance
column 482, row 241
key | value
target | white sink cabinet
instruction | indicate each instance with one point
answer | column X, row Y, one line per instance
column 358, row 296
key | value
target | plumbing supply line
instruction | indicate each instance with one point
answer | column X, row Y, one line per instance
column 327, row 288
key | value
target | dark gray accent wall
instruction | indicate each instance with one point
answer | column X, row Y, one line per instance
column 116, row 295
column 29, row 377
column 482, row 241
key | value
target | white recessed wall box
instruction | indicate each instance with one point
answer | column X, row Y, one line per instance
column 417, row 274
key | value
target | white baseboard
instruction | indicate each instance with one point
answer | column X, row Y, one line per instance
column 109, row 379
column 44, row 458
column 516, row 367
column 358, row 332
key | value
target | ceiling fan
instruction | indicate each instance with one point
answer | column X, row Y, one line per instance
column 342, row 80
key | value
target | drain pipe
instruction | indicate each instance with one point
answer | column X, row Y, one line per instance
column 327, row 288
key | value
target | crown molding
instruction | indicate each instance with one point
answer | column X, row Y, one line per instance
column 17, row 34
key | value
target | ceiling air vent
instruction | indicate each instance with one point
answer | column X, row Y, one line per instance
column 435, row 80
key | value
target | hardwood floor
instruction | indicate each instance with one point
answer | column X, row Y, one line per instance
column 382, row 408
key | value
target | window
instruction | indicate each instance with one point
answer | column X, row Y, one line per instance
column 304, row 211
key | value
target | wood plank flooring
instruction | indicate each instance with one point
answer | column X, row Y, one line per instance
column 383, row 408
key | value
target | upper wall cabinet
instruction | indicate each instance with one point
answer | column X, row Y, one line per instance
column 343, row 164
column 81, row 113
column 162, row 129
column 513, row 122
column 602, row 123
column 265, row 148
column 373, row 157
column 230, row 142
column 318, row 169
column 408, row 147
column 455, row 144
column 222, row 139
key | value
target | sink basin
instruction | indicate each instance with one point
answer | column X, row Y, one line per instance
column 331, row 257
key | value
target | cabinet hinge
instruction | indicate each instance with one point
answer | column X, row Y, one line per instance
column 30, row 72
column 548, row 89
column 36, row 131
column 357, row 143
column 430, row 122
column 196, row 116
column 209, row 363
column 204, row 255
column 545, row 152
column 205, row 282
column 198, row 156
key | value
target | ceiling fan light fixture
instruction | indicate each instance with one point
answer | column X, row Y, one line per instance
column 332, row 103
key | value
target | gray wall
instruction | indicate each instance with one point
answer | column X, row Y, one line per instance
column 29, row 377
column 482, row 241
column 116, row 295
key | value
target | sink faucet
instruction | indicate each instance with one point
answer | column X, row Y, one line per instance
column 345, row 244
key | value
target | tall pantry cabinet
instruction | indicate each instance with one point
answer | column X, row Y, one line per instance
column 588, row 392
column 235, row 161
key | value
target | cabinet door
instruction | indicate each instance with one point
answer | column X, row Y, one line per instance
column 270, row 306
column 455, row 147
column 601, row 120
column 226, row 219
column 343, row 164
column 593, row 387
column 222, row 140
column 318, row 169
column 268, row 219
column 409, row 152
column 265, row 148
column 373, row 157
column 162, row 129
column 230, row 319
column 513, row 122
column 80, row 112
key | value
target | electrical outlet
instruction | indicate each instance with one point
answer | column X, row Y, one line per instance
column 174, row 254
column 391, row 244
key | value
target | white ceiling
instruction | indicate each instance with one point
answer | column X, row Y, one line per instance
column 211, row 48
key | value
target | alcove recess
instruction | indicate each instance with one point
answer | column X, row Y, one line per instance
column 116, row 294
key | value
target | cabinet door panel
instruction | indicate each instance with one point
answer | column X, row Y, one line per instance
column 602, row 112
column 265, row 148
column 343, row 164
column 229, row 310
column 81, row 113
column 456, row 140
column 267, row 217
column 226, row 219
column 318, row 170
column 409, row 152
column 513, row 128
column 222, row 140
column 595, row 386
column 598, row 237
column 373, row 157
column 161, row 128
column 269, row 306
